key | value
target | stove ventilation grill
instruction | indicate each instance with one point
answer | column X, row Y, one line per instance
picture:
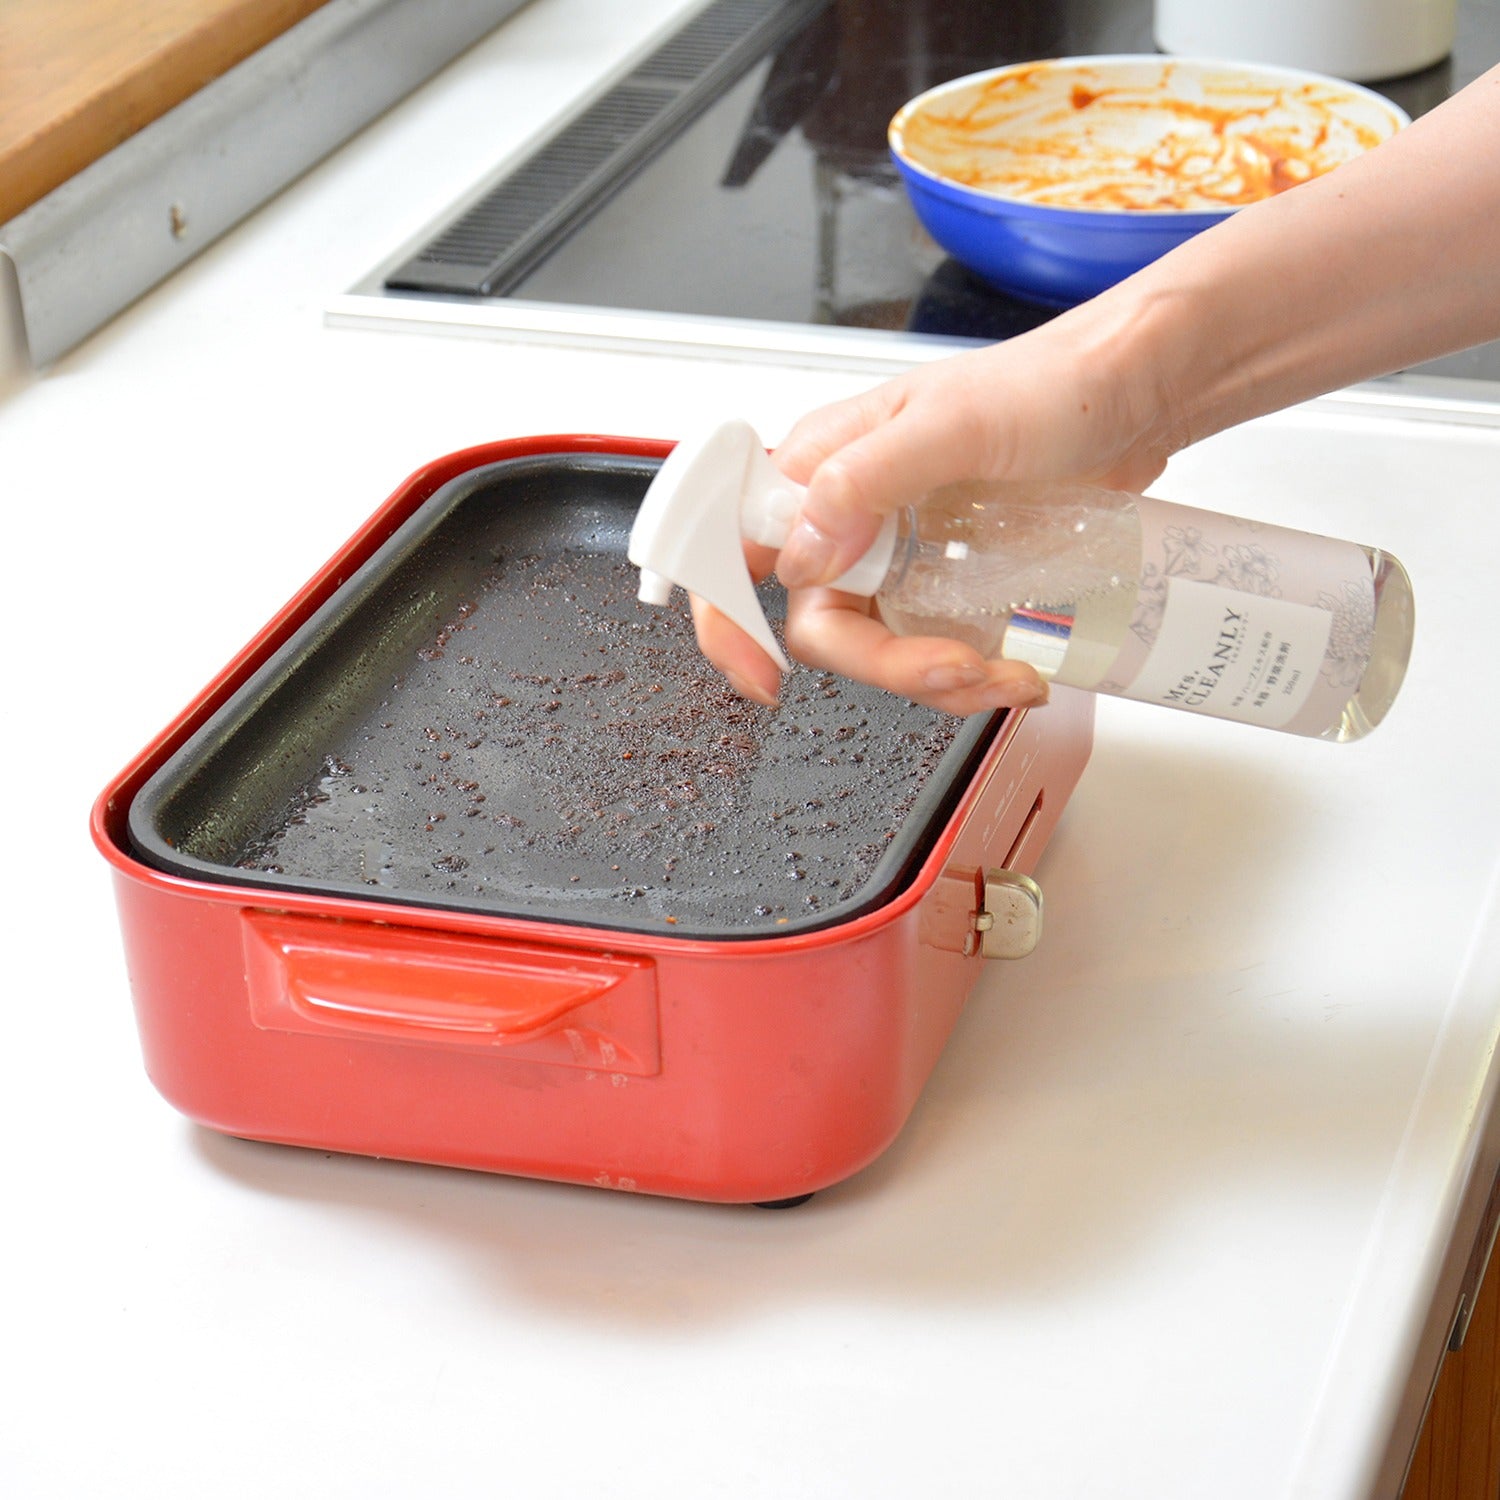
column 498, row 238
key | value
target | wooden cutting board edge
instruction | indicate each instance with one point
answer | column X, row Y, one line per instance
column 78, row 77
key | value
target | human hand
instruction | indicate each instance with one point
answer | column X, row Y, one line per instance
column 1056, row 404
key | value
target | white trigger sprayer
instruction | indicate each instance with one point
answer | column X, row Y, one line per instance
column 711, row 494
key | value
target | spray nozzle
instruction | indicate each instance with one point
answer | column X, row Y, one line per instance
column 711, row 495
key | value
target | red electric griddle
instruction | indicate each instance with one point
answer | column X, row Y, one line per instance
column 468, row 858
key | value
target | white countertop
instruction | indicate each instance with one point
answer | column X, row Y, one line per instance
column 1171, row 1215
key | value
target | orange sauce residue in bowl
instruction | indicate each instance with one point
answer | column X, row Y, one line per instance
column 1133, row 146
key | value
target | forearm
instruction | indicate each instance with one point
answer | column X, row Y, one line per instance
column 1392, row 259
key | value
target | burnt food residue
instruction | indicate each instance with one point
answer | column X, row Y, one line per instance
column 553, row 749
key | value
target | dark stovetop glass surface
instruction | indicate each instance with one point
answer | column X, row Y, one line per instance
column 778, row 202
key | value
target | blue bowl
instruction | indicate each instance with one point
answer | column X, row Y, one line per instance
column 1055, row 256
column 1054, row 180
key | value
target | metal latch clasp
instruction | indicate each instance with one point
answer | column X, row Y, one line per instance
column 1009, row 924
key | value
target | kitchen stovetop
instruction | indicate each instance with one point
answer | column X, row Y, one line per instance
column 731, row 191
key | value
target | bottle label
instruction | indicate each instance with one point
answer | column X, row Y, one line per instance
column 1236, row 656
column 1246, row 621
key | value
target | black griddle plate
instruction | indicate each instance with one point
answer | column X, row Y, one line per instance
column 484, row 718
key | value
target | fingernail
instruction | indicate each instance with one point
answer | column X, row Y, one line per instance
column 960, row 675
column 1015, row 695
column 747, row 689
column 805, row 558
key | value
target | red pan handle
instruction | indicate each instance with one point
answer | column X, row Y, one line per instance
column 580, row 1008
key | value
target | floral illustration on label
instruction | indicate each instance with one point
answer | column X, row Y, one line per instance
column 1352, row 635
column 1188, row 553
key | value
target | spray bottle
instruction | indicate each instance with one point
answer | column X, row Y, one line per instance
column 1097, row 589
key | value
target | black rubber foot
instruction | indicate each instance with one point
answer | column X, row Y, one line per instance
column 786, row 1202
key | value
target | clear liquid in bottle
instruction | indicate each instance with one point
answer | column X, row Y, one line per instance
column 1143, row 599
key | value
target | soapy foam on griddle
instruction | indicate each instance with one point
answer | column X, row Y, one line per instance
column 557, row 750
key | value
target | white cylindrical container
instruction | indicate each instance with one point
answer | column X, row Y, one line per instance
column 1360, row 40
